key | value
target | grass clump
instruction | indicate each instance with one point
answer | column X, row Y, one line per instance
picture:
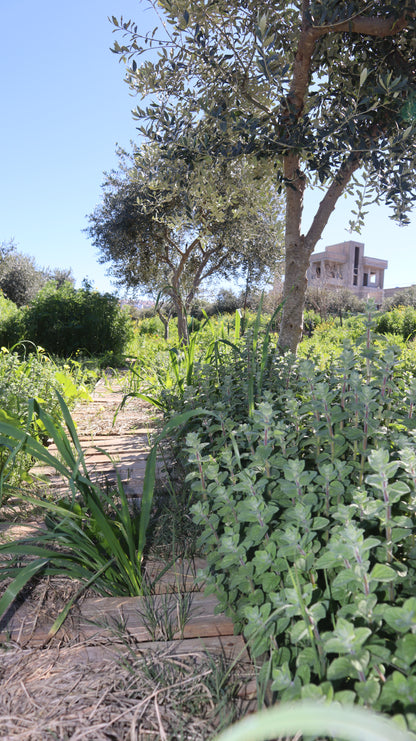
column 92, row 536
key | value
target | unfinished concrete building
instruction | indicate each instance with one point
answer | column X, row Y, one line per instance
column 344, row 265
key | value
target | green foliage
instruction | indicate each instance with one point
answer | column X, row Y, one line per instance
column 65, row 320
column 304, row 489
column 327, row 301
column 11, row 324
column 399, row 321
column 169, row 375
column 250, row 91
column 150, row 326
column 328, row 338
column 37, row 376
column 20, row 277
column 34, row 376
column 168, row 234
column 350, row 724
column 311, row 320
column 91, row 536
column 227, row 302
column 405, row 297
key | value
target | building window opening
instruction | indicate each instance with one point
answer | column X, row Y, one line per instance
column 365, row 279
column 318, row 271
column 373, row 279
column 355, row 272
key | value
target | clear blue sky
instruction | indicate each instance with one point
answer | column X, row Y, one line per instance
column 65, row 106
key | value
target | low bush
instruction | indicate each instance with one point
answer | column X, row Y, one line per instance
column 406, row 297
column 400, row 321
column 64, row 320
column 11, row 322
column 333, row 301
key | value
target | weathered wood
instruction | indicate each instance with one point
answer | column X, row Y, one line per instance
column 126, row 458
column 179, row 577
column 136, row 614
column 231, row 647
column 143, row 618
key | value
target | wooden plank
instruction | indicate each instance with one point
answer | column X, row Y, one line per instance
column 180, row 577
column 133, row 613
column 231, row 647
column 102, row 617
column 125, row 438
column 130, row 446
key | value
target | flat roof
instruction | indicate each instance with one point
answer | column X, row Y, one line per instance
column 375, row 262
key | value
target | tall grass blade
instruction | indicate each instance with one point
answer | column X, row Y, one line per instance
column 350, row 723
column 139, row 395
column 252, row 360
column 265, row 347
column 237, row 326
column 64, row 613
column 147, row 500
column 16, row 586
column 31, row 446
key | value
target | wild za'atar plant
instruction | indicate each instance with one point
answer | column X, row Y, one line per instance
column 306, row 509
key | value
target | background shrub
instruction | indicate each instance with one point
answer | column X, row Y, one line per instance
column 399, row 321
column 406, row 297
column 327, row 301
column 64, row 320
column 11, row 322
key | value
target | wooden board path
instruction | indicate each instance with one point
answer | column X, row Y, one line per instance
column 98, row 626
column 114, row 442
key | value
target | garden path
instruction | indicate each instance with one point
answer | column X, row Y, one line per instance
column 114, row 442
column 179, row 624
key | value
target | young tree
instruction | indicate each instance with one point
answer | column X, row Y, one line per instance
column 325, row 89
column 167, row 230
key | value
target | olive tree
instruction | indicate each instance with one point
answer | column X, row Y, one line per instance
column 323, row 89
column 167, row 230
column 20, row 277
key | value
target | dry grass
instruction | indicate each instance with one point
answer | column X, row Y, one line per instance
column 115, row 693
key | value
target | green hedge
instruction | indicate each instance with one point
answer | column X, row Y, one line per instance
column 66, row 320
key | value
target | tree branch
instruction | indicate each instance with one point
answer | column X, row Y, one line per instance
column 369, row 26
column 330, row 199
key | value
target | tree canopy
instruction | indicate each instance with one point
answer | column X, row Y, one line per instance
column 21, row 278
column 325, row 90
column 166, row 229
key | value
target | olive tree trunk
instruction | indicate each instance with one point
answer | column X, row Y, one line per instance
column 299, row 247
